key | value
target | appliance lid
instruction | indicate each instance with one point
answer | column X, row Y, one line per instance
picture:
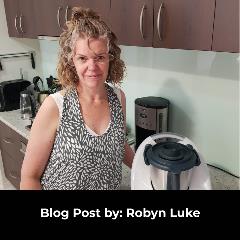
column 171, row 156
column 141, row 174
column 152, row 102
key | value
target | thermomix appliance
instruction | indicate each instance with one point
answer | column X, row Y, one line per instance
column 168, row 161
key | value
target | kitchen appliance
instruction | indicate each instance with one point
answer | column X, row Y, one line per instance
column 27, row 106
column 41, row 96
column 151, row 117
column 36, row 80
column 53, row 85
column 167, row 161
column 10, row 94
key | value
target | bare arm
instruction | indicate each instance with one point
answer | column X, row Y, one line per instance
column 40, row 144
column 129, row 154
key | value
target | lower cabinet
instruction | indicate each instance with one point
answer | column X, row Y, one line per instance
column 13, row 147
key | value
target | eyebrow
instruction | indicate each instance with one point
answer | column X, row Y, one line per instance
column 79, row 54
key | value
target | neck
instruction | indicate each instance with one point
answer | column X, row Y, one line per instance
column 91, row 94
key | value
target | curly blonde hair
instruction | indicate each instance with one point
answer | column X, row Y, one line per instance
column 86, row 23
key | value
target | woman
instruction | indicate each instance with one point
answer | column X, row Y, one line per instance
column 77, row 140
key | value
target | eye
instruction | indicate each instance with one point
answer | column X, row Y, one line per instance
column 82, row 59
column 100, row 58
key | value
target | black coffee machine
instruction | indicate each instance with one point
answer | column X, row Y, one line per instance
column 151, row 117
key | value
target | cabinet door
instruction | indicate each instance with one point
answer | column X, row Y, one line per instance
column 49, row 17
column 52, row 15
column 12, row 167
column 13, row 148
column 102, row 7
column 20, row 18
column 132, row 21
column 185, row 24
column 27, row 23
column 226, row 26
column 13, row 17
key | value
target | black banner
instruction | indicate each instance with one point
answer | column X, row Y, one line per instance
column 114, row 207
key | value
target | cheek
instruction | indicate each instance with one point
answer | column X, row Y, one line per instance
column 105, row 69
column 79, row 69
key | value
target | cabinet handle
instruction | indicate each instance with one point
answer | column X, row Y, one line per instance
column 22, row 151
column 159, row 21
column 15, row 23
column 58, row 17
column 7, row 141
column 21, row 17
column 66, row 13
column 141, row 21
column 23, row 148
column 12, row 176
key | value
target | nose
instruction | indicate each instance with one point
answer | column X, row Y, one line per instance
column 92, row 64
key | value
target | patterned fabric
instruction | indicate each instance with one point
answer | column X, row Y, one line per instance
column 80, row 160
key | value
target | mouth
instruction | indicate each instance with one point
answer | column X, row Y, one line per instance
column 94, row 76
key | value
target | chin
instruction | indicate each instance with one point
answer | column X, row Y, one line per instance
column 94, row 82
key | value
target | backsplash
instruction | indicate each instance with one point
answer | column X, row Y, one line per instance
column 49, row 55
column 12, row 66
column 15, row 68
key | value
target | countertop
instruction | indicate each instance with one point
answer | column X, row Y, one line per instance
column 14, row 121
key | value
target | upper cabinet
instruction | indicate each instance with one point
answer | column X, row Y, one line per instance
column 132, row 21
column 226, row 26
column 49, row 17
column 102, row 7
column 186, row 24
column 20, row 18
column 211, row 25
column 52, row 15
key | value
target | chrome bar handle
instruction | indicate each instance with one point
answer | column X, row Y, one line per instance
column 12, row 176
column 23, row 148
column 159, row 21
column 15, row 23
column 7, row 140
column 141, row 21
column 21, row 17
column 58, row 17
column 66, row 13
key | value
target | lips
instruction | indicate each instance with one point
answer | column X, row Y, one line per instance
column 94, row 76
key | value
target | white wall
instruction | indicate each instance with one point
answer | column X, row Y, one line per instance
column 203, row 88
column 11, row 66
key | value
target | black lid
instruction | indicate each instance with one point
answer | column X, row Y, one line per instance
column 171, row 156
column 20, row 81
column 154, row 102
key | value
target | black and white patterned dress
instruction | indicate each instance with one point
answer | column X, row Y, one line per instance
column 80, row 160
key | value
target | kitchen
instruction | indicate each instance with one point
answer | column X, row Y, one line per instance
column 202, row 87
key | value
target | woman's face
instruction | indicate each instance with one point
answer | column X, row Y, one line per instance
column 91, row 61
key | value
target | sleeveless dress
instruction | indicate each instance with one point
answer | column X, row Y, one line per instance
column 80, row 160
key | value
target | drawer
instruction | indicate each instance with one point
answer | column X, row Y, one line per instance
column 6, row 131
column 11, row 142
column 12, row 167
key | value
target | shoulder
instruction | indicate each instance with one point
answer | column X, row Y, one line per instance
column 46, row 118
column 49, row 106
column 119, row 92
column 58, row 95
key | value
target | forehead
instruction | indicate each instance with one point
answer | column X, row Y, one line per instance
column 91, row 45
